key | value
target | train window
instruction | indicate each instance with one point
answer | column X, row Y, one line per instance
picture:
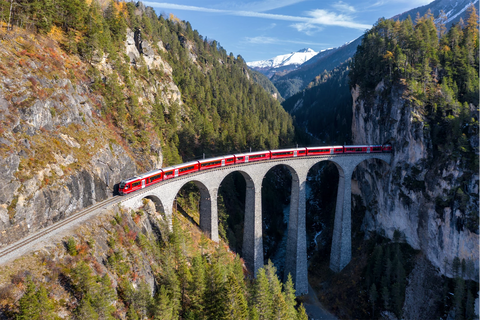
column 210, row 163
column 338, row 149
column 186, row 169
column 240, row 158
column 122, row 185
column 168, row 173
column 156, row 177
column 283, row 153
column 301, row 151
column 229, row 160
column 377, row 148
column 257, row 156
column 135, row 184
column 320, row 150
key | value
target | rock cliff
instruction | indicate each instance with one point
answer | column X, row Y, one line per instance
column 429, row 197
column 58, row 152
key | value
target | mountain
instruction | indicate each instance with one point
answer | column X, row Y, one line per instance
column 80, row 112
column 283, row 63
column 297, row 80
column 290, row 83
column 453, row 9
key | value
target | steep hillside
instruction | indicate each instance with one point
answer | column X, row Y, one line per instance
column 127, row 265
column 89, row 96
column 266, row 84
column 420, row 93
column 453, row 11
column 298, row 79
column 323, row 109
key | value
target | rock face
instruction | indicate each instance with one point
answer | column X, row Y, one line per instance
column 411, row 194
column 424, row 291
column 58, row 153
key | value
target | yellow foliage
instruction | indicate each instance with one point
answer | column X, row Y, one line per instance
column 388, row 55
column 173, row 18
column 446, row 48
column 121, row 7
column 57, row 34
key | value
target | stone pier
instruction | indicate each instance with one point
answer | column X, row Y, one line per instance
column 209, row 182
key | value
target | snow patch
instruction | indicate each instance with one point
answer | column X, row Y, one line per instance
column 294, row 58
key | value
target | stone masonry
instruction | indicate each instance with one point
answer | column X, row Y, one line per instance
column 163, row 195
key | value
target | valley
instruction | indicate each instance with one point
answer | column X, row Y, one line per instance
column 95, row 92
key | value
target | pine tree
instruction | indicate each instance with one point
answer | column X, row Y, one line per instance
column 290, row 297
column 132, row 314
column 263, row 297
column 28, row 304
column 85, row 310
column 302, row 313
column 236, row 303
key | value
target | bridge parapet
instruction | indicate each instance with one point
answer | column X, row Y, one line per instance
column 209, row 182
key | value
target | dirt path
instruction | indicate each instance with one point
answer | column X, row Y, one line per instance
column 314, row 308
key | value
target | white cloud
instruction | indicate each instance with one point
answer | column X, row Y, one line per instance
column 414, row 3
column 259, row 6
column 316, row 17
column 343, row 7
column 307, row 28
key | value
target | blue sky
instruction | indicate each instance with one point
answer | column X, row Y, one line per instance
column 262, row 29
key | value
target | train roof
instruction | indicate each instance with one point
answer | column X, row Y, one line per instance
column 288, row 150
column 215, row 159
column 149, row 173
column 251, row 153
column 364, row 145
column 324, row 147
column 181, row 165
column 130, row 179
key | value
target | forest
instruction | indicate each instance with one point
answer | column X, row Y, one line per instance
column 223, row 110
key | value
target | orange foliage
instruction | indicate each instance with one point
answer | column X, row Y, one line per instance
column 56, row 34
column 97, row 266
column 131, row 235
column 136, row 219
column 82, row 249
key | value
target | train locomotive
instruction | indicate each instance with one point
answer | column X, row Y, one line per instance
column 146, row 179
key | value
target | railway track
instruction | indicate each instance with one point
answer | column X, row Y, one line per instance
column 49, row 231
column 56, row 226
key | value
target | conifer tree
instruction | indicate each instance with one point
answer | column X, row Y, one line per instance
column 302, row 313
column 85, row 310
column 263, row 296
column 28, row 304
column 290, row 297
column 236, row 304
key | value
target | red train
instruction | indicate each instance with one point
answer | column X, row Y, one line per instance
column 146, row 179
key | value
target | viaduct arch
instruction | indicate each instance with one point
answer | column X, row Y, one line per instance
column 163, row 195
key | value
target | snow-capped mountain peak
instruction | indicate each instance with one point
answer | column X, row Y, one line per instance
column 294, row 58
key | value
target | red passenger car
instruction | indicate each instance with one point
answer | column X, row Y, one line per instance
column 216, row 162
column 387, row 148
column 288, row 153
column 319, row 151
column 252, row 156
column 356, row 149
column 180, row 170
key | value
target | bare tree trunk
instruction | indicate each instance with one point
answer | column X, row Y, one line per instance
column 9, row 26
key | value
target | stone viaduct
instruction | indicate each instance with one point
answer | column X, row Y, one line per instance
column 163, row 195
